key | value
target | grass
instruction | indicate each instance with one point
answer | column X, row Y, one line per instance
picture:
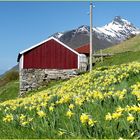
column 93, row 94
column 120, row 58
column 132, row 44
column 8, row 132
column 9, row 91
column 8, row 77
column 127, row 51
column 9, row 85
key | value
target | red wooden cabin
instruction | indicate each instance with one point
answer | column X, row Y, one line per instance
column 85, row 49
column 50, row 54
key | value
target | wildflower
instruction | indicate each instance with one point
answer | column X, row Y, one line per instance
column 130, row 118
column 98, row 95
column 6, row 109
column 24, row 123
column 43, row 104
column 30, row 119
column 119, row 109
column 121, row 97
column 91, row 122
column 84, row 118
column 116, row 115
column 51, row 108
column 26, row 107
column 8, row 118
column 41, row 114
column 120, row 138
column 38, row 108
column 108, row 117
column 71, row 106
column 79, row 100
column 13, row 107
column 132, row 134
column 31, row 107
column 60, row 133
column 69, row 113
column 52, row 104
column 22, row 117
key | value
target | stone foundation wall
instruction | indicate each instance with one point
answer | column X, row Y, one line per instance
column 31, row 79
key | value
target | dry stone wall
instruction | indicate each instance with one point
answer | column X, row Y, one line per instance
column 32, row 79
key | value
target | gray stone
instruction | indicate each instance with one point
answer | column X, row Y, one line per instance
column 32, row 79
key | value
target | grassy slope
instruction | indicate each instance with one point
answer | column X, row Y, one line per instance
column 10, row 131
column 127, row 51
column 9, row 91
column 132, row 44
column 120, row 58
column 9, row 85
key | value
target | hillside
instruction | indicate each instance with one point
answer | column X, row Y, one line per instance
column 133, row 44
column 125, row 52
column 14, row 68
column 8, row 77
column 120, row 58
column 9, row 90
column 101, row 104
column 9, row 85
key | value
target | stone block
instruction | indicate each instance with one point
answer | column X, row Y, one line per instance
column 32, row 79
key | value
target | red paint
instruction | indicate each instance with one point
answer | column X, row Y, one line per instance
column 85, row 49
column 50, row 55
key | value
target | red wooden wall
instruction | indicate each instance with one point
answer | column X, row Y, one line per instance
column 85, row 49
column 50, row 55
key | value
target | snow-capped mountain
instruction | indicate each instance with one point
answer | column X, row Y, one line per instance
column 116, row 31
column 57, row 35
column 112, row 33
column 83, row 29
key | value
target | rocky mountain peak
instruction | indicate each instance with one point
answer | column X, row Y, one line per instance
column 118, row 30
column 121, row 21
column 83, row 28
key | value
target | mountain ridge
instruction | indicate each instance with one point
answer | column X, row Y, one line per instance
column 113, row 33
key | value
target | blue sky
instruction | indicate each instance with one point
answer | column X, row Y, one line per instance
column 23, row 24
